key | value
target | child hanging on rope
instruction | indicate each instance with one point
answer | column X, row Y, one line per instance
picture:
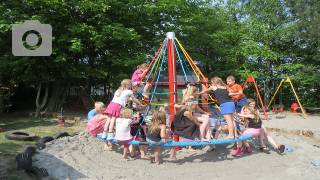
column 226, row 105
column 113, row 110
column 185, row 125
column 157, row 135
column 254, row 122
column 96, row 124
column 264, row 132
column 123, row 132
column 137, row 76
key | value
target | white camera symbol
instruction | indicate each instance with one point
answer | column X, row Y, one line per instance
column 33, row 40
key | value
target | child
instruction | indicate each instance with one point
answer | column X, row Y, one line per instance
column 93, row 112
column 214, row 127
column 123, row 132
column 95, row 125
column 137, row 78
column 264, row 132
column 113, row 110
column 254, row 127
column 226, row 104
column 185, row 125
column 202, row 116
column 235, row 91
column 166, row 109
column 135, row 127
column 157, row 135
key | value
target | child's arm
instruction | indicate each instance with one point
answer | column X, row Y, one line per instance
column 207, row 90
column 176, row 105
column 217, row 133
column 163, row 131
column 189, row 115
column 135, row 100
column 236, row 93
column 245, row 115
column 137, row 120
column 102, row 117
column 202, row 111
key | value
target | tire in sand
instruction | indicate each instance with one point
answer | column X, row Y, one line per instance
column 40, row 173
column 60, row 134
column 20, row 135
column 45, row 140
column 24, row 161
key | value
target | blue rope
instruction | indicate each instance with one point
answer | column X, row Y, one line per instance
column 193, row 143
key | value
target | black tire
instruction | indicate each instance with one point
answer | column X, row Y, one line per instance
column 24, row 161
column 20, row 135
column 60, row 134
column 41, row 146
column 45, row 139
column 40, row 173
column 74, row 134
column 30, row 150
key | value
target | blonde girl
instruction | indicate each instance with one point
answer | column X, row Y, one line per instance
column 201, row 115
column 226, row 104
column 118, row 102
column 138, row 76
column 123, row 132
column 264, row 132
column 96, row 124
column 251, row 117
column 157, row 135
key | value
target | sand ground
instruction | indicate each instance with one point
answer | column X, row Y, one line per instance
column 82, row 157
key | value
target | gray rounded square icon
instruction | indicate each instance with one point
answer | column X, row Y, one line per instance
column 44, row 30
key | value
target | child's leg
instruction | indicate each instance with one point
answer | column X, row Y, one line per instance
column 190, row 148
column 260, row 137
column 269, row 138
column 106, row 125
column 230, row 124
column 112, row 122
column 132, row 151
column 205, row 125
column 147, row 88
column 125, row 151
column 143, row 153
column 173, row 153
column 157, row 154
column 106, row 146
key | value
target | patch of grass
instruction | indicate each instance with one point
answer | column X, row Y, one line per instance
column 10, row 148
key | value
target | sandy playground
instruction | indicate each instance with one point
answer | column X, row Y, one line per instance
column 82, row 157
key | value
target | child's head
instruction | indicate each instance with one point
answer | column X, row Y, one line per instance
column 251, row 110
column 224, row 129
column 151, row 112
column 231, row 80
column 126, row 113
column 101, row 110
column 125, row 84
column 159, row 118
column 216, row 81
column 142, row 66
column 98, row 105
column 250, row 102
column 191, row 92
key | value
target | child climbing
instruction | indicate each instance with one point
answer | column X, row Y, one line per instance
column 123, row 132
column 157, row 135
column 226, row 105
column 118, row 102
column 137, row 78
column 254, row 128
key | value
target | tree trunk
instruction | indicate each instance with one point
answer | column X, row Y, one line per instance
column 54, row 98
column 1, row 95
column 44, row 101
column 64, row 95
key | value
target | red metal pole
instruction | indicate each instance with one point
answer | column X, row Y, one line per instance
column 172, row 73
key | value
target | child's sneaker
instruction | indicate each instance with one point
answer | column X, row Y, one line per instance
column 104, row 134
column 110, row 136
column 236, row 152
column 247, row 150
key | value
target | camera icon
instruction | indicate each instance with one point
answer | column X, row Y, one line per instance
column 31, row 39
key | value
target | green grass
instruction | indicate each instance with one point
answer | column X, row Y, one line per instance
column 10, row 148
